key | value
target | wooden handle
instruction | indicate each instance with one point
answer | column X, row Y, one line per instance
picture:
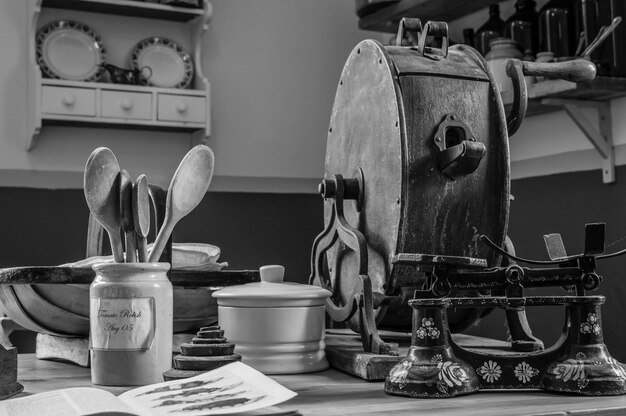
column 131, row 247
column 161, row 240
column 117, row 248
column 142, row 255
column 407, row 24
column 579, row 70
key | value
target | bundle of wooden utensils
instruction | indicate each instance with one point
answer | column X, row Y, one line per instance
column 121, row 205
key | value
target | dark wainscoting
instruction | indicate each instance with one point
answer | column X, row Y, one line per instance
column 44, row 227
column 47, row 227
column 41, row 227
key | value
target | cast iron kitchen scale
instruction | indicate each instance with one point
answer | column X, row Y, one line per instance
column 416, row 192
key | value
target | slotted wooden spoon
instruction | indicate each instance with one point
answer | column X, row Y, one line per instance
column 128, row 225
column 141, row 214
column 102, row 193
column 187, row 188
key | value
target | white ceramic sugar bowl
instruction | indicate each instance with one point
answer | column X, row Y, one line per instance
column 277, row 327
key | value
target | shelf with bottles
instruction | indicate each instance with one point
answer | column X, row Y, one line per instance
column 132, row 8
column 387, row 18
column 524, row 27
column 537, row 30
column 102, row 102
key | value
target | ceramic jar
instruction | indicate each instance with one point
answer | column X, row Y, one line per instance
column 130, row 322
column 278, row 328
column 500, row 52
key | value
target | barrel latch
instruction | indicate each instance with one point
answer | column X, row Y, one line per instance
column 459, row 151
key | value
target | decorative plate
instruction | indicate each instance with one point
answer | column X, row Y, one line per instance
column 70, row 50
column 170, row 64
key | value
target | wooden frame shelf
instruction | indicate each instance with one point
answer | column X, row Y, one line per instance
column 103, row 105
column 387, row 18
column 152, row 118
column 131, row 8
column 554, row 95
column 600, row 90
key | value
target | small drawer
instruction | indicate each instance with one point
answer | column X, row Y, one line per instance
column 70, row 101
column 130, row 105
column 181, row 108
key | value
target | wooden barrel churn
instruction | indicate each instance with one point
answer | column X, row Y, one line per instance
column 417, row 164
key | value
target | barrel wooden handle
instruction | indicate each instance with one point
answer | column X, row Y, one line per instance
column 436, row 30
column 407, row 24
column 579, row 70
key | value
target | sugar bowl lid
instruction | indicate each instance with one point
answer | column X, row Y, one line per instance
column 271, row 292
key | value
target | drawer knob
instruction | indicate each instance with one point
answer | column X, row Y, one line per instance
column 69, row 100
column 181, row 108
column 127, row 105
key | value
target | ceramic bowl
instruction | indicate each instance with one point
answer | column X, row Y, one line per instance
column 278, row 328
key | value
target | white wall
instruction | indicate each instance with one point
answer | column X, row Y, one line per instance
column 273, row 67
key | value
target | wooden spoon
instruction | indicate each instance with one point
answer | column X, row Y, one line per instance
column 102, row 193
column 141, row 214
column 187, row 188
column 126, row 210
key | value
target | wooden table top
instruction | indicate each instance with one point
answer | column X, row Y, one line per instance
column 332, row 393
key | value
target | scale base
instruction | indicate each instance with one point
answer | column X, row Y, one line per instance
column 344, row 352
column 436, row 366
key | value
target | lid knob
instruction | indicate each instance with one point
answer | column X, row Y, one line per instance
column 272, row 273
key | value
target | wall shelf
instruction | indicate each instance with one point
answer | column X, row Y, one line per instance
column 130, row 8
column 104, row 105
column 543, row 97
column 553, row 95
column 600, row 90
column 387, row 18
column 107, row 105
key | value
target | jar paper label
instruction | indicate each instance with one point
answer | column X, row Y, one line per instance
column 122, row 324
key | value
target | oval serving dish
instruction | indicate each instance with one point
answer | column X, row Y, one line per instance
column 170, row 65
column 70, row 50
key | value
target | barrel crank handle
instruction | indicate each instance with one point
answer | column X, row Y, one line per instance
column 327, row 239
column 338, row 228
column 578, row 70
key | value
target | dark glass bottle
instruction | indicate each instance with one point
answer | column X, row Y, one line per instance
column 522, row 26
column 468, row 37
column 493, row 28
column 556, row 28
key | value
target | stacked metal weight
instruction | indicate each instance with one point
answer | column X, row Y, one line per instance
column 207, row 351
